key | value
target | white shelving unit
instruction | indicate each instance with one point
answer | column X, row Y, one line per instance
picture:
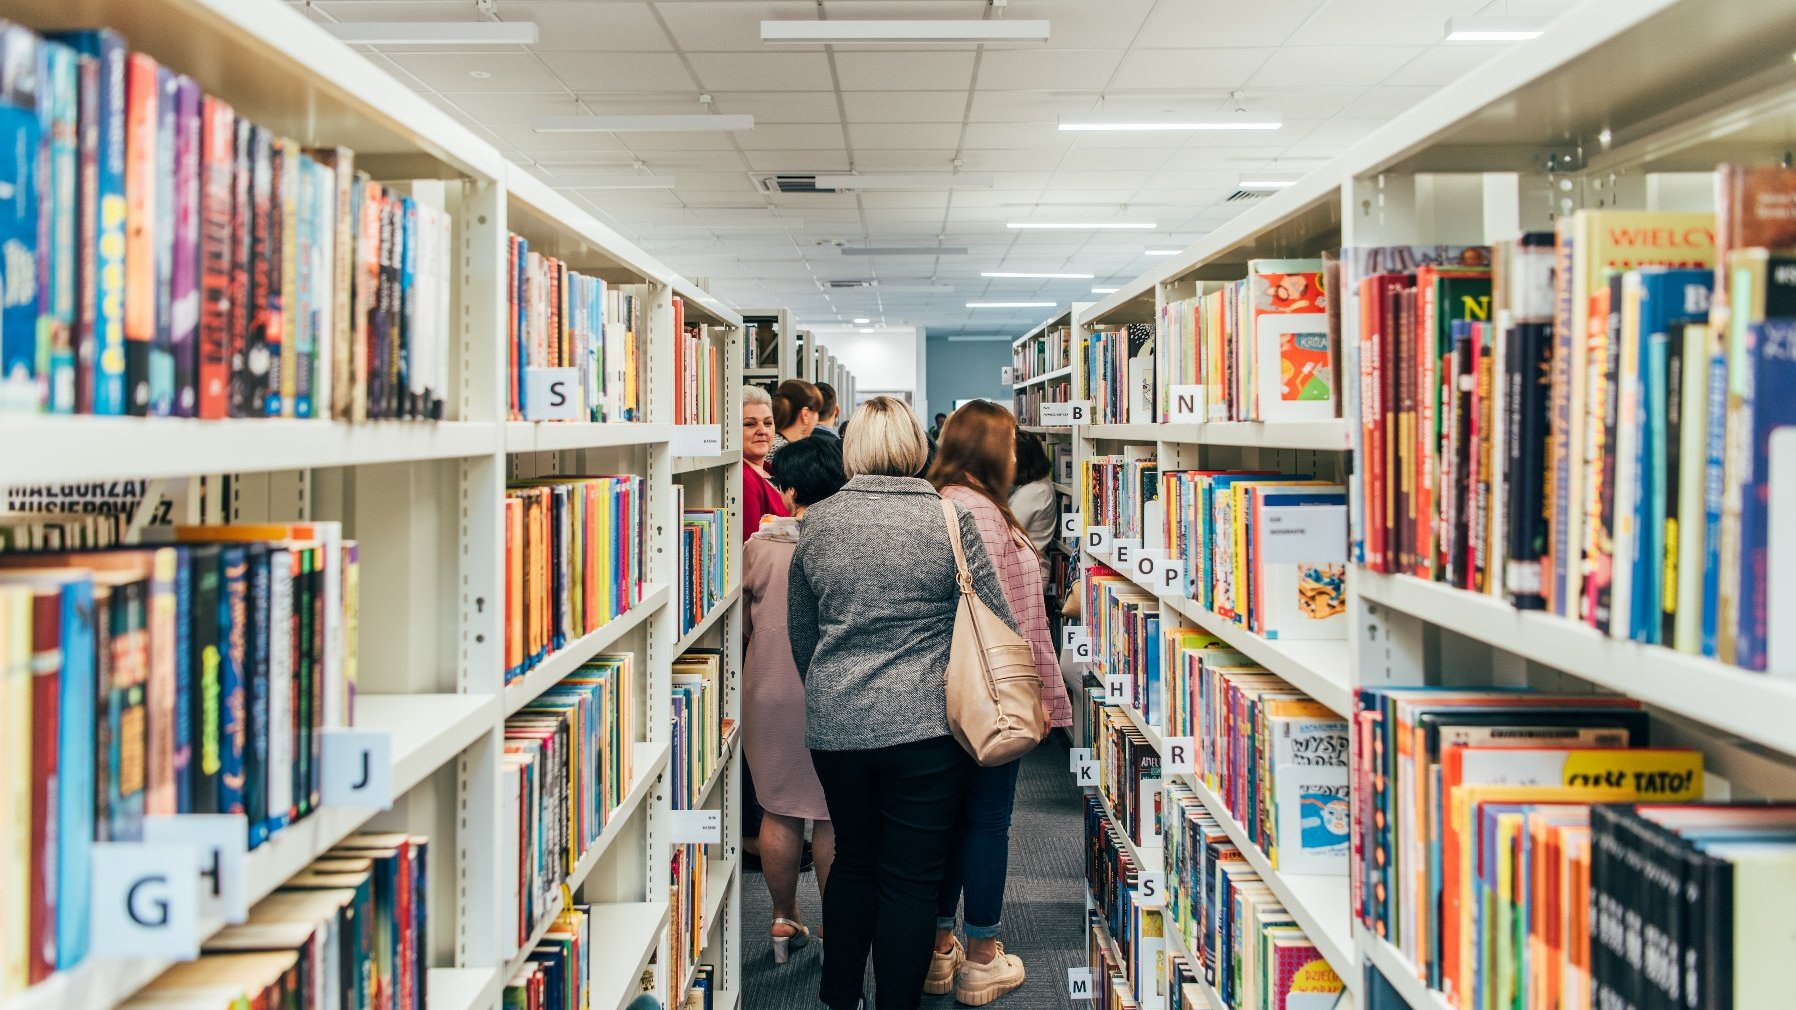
column 1572, row 116
column 425, row 500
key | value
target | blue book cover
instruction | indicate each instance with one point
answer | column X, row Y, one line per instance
column 1153, row 700
column 57, row 105
column 233, row 636
column 255, row 749
column 1770, row 405
column 184, row 716
column 105, row 290
column 19, row 69
column 75, row 768
column 162, row 349
column 1714, row 456
column 410, row 383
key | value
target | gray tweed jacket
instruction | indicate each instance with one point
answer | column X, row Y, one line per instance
column 870, row 611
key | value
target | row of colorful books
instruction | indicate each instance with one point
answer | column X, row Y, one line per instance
column 1118, row 372
column 566, row 768
column 181, row 679
column 1047, row 351
column 704, row 562
column 688, row 873
column 1251, row 951
column 704, row 993
column 558, row 318
column 1026, row 402
column 170, row 258
column 1127, row 938
column 699, row 728
column 1257, row 349
column 698, row 367
column 350, row 931
column 557, row 974
column 1128, row 770
column 574, row 561
column 1577, row 421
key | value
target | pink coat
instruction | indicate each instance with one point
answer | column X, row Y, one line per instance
column 1019, row 569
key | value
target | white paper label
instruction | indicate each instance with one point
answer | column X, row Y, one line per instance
column 1147, row 569
column 221, row 844
column 145, row 900
column 1073, row 635
column 1097, row 539
column 1069, row 525
column 1085, row 773
column 697, row 440
column 1078, row 983
column 1117, row 687
column 1123, row 550
column 1315, row 534
column 1178, row 755
column 1186, row 404
column 357, row 769
column 551, row 394
column 1081, row 652
column 1007, row 376
column 695, row 827
column 1070, row 412
column 1150, row 820
column 1150, row 889
column 1170, row 577
column 1075, row 755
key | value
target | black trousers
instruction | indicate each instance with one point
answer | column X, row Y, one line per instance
column 894, row 810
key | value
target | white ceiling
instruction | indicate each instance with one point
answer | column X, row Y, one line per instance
column 1334, row 69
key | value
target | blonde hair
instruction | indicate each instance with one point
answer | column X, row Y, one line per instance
column 756, row 394
column 886, row 439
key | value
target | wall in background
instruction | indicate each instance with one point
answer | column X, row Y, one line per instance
column 886, row 360
column 962, row 371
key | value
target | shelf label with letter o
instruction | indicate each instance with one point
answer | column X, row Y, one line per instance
column 145, row 900
column 551, row 394
column 357, row 769
column 221, row 845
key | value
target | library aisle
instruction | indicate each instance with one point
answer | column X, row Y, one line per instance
column 1044, row 901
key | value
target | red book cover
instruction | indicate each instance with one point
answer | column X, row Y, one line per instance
column 46, row 687
column 218, row 161
column 142, row 99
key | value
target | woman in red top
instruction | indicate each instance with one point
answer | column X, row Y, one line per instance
column 759, row 496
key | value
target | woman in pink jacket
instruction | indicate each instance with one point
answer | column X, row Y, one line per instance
column 974, row 464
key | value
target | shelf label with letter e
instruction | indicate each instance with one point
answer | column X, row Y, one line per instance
column 695, row 827
column 1097, row 539
column 1123, row 550
column 1186, row 404
column 1078, row 984
column 357, row 768
column 1116, row 687
column 551, row 394
column 1179, row 755
column 697, row 440
column 221, row 845
column 1068, row 413
column 1150, row 889
column 145, row 900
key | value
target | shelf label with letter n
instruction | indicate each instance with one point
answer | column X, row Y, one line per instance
column 551, row 394
column 221, row 845
column 1186, row 404
column 357, row 768
column 145, row 900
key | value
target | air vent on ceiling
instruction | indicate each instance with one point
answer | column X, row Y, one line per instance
column 790, row 182
column 1246, row 195
column 840, row 285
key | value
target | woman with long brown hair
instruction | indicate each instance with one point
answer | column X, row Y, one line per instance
column 797, row 406
column 974, row 465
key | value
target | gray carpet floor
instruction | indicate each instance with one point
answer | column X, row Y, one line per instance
column 1044, row 903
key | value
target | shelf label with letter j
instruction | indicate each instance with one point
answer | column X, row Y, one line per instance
column 358, row 768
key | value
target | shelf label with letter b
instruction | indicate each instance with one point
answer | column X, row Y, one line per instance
column 221, row 844
column 357, row 768
column 695, row 827
column 1068, row 413
column 145, row 900
column 551, row 394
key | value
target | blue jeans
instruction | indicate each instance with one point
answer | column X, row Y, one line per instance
column 981, row 858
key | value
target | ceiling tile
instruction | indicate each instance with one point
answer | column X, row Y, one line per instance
column 620, row 71
column 938, row 160
column 651, row 142
column 1220, row 23
column 905, row 106
column 1047, row 70
column 1303, row 66
column 452, row 72
column 919, row 71
column 901, row 200
column 1176, row 69
column 798, row 161
column 762, row 71
column 728, row 25
column 1380, row 22
column 1028, row 106
column 1043, row 137
column 779, row 106
column 1080, row 24
column 588, row 27
column 776, row 136
column 1444, row 64
column 902, row 136
column 1385, row 102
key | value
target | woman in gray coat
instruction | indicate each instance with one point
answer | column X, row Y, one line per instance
column 870, row 611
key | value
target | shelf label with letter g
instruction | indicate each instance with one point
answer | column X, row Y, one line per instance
column 358, row 768
column 145, row 900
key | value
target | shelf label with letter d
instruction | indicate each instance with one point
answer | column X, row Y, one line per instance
column 551, row 394
column 145, row 900
column 357, row 768
column 1097, row 539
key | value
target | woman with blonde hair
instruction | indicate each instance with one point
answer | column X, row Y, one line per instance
column 975, row 463
column 872, row 594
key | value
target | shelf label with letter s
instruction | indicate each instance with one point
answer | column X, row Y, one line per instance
column 1150, row 889
column 145, row 900
column 551, row 394
column 357, row 768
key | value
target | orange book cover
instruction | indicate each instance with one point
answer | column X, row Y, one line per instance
column 141, row 103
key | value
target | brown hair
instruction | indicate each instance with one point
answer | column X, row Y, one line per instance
column 792, row 396
column 1031, row 458
column 977, row 450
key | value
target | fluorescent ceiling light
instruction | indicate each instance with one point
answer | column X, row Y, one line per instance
column 866, row 329
column 1497, row 29
column 1086, row 226
column 1011, row 305
column 980, row 340
column 832, row 32
column 1142, row 122
column 903, row 181
column 1263, row 183
column 1162, row 252
column 699, row 123
column 435, row 33
column 1023, row 274
column 904, row 250
column 1105, row 291
column 862, row 322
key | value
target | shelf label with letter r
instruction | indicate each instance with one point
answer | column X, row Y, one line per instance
column 1186, row 404
column 551, row 394
column 1097, row 539
column 357, row 768
column 697, row 440
column 221, row 844
column 1078, row 983
column 1068, row 413
column 1179, row 754
column 695, row 827
column 145, row 900
column 1150, row 889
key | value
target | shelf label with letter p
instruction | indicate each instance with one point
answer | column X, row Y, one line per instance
column 695, row 827
column 145, row 900
column 221, row 845
column 357, row 768
column 551, row 394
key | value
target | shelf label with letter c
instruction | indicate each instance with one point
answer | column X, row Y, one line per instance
column 145, row 900
column 1069, row 525
column 357, row 769
column 551, row 394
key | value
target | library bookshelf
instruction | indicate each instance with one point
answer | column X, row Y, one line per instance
column 1564, row 122
column 425, row 500
column 781, row 351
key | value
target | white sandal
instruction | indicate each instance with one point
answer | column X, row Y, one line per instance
column 784, row 945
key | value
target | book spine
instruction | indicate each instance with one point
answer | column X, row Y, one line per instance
column 58, row 250
column 1558, row 565
column 75, row 770
column 283, row 344
column 185, row 718
column 162, row 208
column 233, row 679
column 161, row 688
column 184, row 294
column 217, row 174
column 207, row 704
column 262, row 357
column 302, row 313
column 141, row 234
column 127, row 713
column 102, row 224
column 281, row 749
column 258, row 677
column 44, row 677
column 244, row 401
